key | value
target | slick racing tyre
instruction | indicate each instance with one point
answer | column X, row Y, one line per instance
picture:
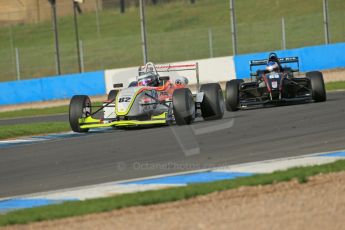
column 232, row 94
column 317, row 86
column 212, row 105
column 80, row 106
column 183, row 106
column 112, row 94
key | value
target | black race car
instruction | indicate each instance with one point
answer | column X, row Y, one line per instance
column 276, row 84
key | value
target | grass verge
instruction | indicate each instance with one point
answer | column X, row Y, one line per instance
column 77, row 208
column 34, row 112
column 11, row 131
column 335, row 85
column 39, row 111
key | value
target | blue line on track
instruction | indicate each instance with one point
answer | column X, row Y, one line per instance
column 39, row 139
column 201, row 177
column 334, row 154
column 13, row 204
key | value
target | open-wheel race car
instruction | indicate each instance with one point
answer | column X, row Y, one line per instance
column 275, row 84
column 150, row 100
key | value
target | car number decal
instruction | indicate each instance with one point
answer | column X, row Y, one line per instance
column 124, row 99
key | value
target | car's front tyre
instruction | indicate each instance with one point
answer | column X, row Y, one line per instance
column 183, row 106
column 317, row 86
column 212, row 105
column 79, row 107
column 232, row 94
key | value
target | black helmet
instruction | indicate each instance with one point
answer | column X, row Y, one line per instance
column 273, row 57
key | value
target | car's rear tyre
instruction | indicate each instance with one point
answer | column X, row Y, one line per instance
column 183, row 106
column 112, row 94
column 317, row 86
column 212, row 105
column 80, row 106
column 232, row 94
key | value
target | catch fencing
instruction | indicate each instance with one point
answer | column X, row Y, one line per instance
column 27, row 49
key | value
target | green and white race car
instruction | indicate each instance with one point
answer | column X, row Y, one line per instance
column 150, row 100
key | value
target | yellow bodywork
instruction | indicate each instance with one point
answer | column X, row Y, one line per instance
column 90, row 122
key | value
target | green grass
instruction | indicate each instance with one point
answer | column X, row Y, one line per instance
column 40, row 112
column 11, row 131
column 78, row 208
column 176, row 31
column 335, row 85
column 34, row 112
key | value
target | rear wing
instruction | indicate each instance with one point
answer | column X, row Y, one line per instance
column 281, row 61
column 149, row 67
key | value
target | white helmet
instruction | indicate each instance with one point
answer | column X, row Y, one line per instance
column 272, row 66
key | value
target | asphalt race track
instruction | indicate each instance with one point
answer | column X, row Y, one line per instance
column 244, row 136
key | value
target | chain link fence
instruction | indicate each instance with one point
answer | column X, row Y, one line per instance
column 27, row 50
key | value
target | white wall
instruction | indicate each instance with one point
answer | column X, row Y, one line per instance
column 210, row 70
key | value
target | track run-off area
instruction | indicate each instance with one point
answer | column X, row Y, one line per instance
column 112, row 155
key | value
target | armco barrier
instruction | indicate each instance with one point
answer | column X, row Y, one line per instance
column 52, row 88
column 311, row 58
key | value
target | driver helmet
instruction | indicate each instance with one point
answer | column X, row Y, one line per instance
column 272, row 66
column 273, row 57
column 148, row 79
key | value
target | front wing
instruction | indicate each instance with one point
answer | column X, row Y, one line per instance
column 282, row 100
column 90, row 122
